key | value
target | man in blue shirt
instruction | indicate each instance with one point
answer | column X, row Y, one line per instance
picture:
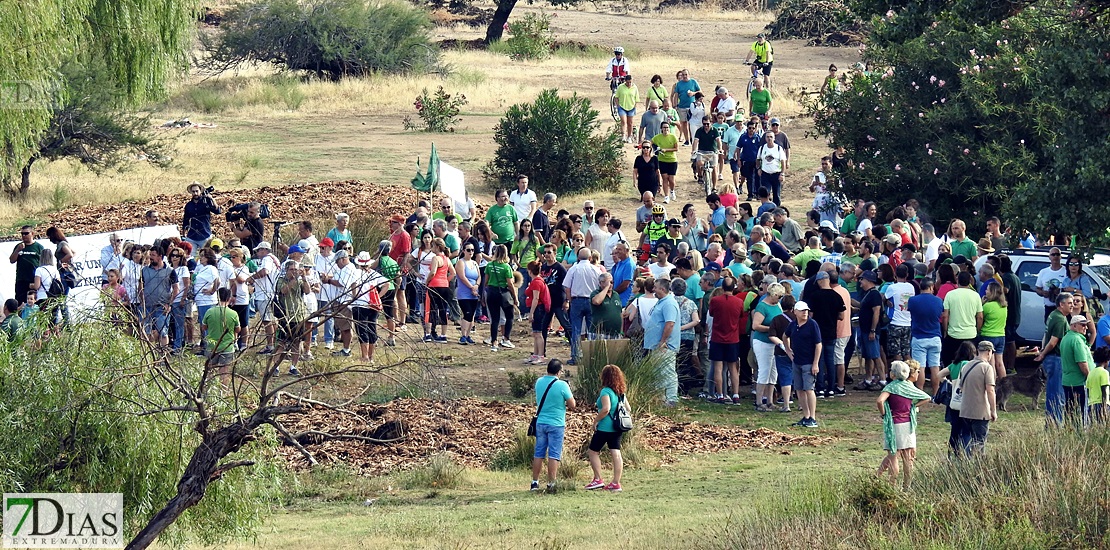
column 622, row 272
column 748, row 146
column 551, row 422
column 802, row 345
column 926, row 310
column 662, row 337
column 717, row 211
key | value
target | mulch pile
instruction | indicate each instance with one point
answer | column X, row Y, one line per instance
column 473, row 431
column 308, row 201
column 726, row 5
column 823, row 22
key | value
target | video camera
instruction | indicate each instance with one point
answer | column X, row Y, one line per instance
column 238, row 212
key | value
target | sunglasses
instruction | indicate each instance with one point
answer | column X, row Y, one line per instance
column 445, row 207
column 468, row 250
column 588, row 208
column 176, row 256
column 27, row 233
column 1053, row 255
column 1074, row 263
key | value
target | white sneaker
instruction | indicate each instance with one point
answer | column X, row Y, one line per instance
column 330, row 345
column 507, row 344
column 667, row 199
column 493, row 348
column 531, row 359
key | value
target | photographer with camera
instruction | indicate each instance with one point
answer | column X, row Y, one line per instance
column 246, row 223
column 196, row 224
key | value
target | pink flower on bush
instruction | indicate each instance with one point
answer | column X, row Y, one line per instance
column 932, row 80
column 966, row 151
column 897, row 166
column 870, row 138
column 940, row 83
column 920, row 115
column 861, row 166
column 943, row 99
column 930, row 152
column 936, row 171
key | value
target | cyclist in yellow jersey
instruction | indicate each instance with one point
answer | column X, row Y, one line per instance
column 765, row 54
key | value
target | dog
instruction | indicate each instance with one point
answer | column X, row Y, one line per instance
column 1031, row 385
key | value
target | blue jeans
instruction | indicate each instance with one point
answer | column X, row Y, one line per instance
column 197, row 245
column 973, row 435
column 329, row 324
column 177, row 314
column 522, row 292
column 201, row 310
column 549, row 441
column 773, row 184
column 580, row 312
column 826, row 377
column 1054, row 388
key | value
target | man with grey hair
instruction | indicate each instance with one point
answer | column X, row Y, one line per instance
column 792, row 234
column 1056, row 327
column 580, row 283
column 663, row 338
column 439, row 229
column 732, row 222
column 650, row 121
column 111, row 256
column 588, row 209
column 541, row 220
column 342, row 230
column 606, row 310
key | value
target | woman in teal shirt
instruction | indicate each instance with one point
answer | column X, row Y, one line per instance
column 606, row 432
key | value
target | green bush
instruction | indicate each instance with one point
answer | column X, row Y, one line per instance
column 517, row 455
column 440, row 111
column 559, row 143
column 530, row 37
column 441, row 472
column 641, row 373
column 328, row 38
column 522, row 384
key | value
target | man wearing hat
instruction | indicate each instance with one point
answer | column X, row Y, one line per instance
column 325, row 269
column 672, row 239
column 264, row 280
column 985, row 246
column 339, row 283
column 1075, row 363
column 978, row 408
column 870, row 303
column 306, row 264
column 890, row 251
column 290, row 312
column 802, row 343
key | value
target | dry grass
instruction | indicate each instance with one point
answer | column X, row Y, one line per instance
column 711, row 11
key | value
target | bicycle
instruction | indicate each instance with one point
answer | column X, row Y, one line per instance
column 756, row 66
column 613, row 83
column 705, row 177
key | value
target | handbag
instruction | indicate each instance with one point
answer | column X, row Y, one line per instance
column 535, row 417
column 636, row 326
column 944, row 393
column 374, row 299
column 957, row 400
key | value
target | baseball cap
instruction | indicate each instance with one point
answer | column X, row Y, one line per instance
column 397, row 218
column 216, row 243
column 986, row 345
column 869, row 276
column 712, row 266
column 363, row 258
column 920, row 270
column 910, row 246
column 892, row 239
column 828, row 224
column 1078, row 319
column 327, row 242
column 342, row 254
column 262, row 245
column 960, row 259
column 296, row 249
column 762, row 248
column 821, row 276
column 801, row 306
column 673, row 222
column 774, row 121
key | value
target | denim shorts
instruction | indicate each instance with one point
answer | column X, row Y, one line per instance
column 734, row 165
column 156, row 320
column 868, row 347
column 926, row 351
column 626, row 112
column 549, row 441
column 786, row 370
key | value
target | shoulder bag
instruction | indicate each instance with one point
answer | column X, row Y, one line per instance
column 957, row 400
column 535, row 417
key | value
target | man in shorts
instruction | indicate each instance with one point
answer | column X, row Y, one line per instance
column 682, row 99
column 870, row 303
column 724, row 340
column 764, row 54
column 263, row 297
column 803, row 347
column 898, row 334
column 290, row 312
column 553, row 396
column 221, row 325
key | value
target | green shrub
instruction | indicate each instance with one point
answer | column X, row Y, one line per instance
column 641, row 373
column 559, row 143
column 522, row 384
column 440, row 112
column 328, row 38
column 441, row 472
column 530, row 37
column 517, row 455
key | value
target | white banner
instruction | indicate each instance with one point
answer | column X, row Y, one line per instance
column 452, row 182
column 86, row 261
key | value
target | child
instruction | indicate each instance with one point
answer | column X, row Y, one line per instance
column 537, row 299
column 899, row 412
column 1098, row 386
column 28, row 309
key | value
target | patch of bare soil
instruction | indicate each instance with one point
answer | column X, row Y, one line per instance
column 379, row 439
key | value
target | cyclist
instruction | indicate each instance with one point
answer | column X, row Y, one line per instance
column 617, row 69
column 764, row 57
column 707, row 142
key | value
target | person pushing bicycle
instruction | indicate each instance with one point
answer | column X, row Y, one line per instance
column 764, row 57
column 617, row 69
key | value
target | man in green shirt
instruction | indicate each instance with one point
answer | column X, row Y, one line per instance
column 962, row 317
column 959, row 243
column 12, row 321
column 1075, row 363
column 26, row 256
column 502, row 218
column 222, row 326
column 1056, row 327
column 813, row 251
column 759, row 102
column 849, row 224
column 606, row 306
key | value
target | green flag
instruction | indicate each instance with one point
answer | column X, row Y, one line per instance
column 430, row 181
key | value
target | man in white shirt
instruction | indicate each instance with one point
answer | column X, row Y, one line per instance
column 325, row 268
column 111, row 256
column 580, row 283
column 898, row 333
column 264, row 280
column 1050, row 279
column 523, row 199
column 932, row 249
column 725, row 104
column 772, row 167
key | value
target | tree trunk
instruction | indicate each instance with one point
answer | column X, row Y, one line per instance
column 25, row 177
column 500, row 17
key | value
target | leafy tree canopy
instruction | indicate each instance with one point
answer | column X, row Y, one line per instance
column 977, row 108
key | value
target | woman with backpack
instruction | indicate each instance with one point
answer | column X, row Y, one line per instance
column 606, row 429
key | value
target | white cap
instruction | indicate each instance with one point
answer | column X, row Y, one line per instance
column 263, row 244
column 801, row 306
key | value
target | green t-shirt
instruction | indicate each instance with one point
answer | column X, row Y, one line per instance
column 389, row 269
column 769, row 313
column 221, row 322
column 525, row 251
column 761, row 101
column 693, row 287
column 10, row 326
column 501, row 220
column 966, row 247
column 1098, row 378
column 498, row 274
column 994, row 320
column 452, row 242
column 1056, row 325
column 962, row 305
column 666, row 141
column 721, row 128
column 628, row 96
column 1074, row 350
column 607, row 316
column 849, row 224
column 606, row 423
column 808, row 254
column 29, row 259
column 954, row 370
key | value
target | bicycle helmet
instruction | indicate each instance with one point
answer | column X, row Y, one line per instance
column 618, row 49
column 657, row 210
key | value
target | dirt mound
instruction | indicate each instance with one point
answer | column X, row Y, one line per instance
column 726, row 5
column 824, row 22
column 473, row 431
column 308, row 201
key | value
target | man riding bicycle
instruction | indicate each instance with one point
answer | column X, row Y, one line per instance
column 764, row 57
column 617, row 69
column 707, row 142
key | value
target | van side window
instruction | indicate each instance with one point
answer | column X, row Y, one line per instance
column 1027, row 271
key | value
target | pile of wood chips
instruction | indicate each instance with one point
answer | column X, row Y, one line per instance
column 308, row 201
column 473, row 431
column 823, row 22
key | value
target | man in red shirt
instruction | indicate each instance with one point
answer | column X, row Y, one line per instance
column 724, row 341
column 402, row 245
